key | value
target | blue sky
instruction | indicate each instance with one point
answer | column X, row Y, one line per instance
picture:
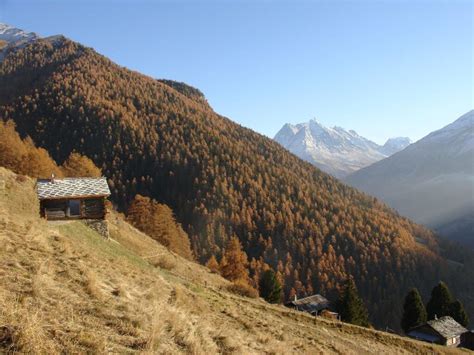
column 382, row 68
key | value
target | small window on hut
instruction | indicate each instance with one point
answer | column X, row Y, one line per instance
column 74, row 208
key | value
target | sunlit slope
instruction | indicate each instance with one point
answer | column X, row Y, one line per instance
column 65, row 288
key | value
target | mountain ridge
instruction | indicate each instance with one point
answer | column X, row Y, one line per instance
column 394, row 145
column 430, row 181
column 13, row 35
column 335, row 150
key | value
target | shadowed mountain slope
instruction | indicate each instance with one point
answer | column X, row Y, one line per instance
column 431, row 181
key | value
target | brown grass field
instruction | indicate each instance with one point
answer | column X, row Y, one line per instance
column 65, row 289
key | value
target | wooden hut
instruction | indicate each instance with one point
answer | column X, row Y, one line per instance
column 73, row 198
column 314, row 305
column 444, row 331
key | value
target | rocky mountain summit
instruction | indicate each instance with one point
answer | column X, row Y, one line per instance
column 335, row 150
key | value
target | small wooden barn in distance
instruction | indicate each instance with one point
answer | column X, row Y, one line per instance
column 314, row 304
column 73, row 198
column 444, row 331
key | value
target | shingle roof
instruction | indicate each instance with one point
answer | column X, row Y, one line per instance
column 447, row 327
column 72, row 188
column 311, row 300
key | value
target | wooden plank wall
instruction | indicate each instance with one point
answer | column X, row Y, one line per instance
column 58, row 209
column 54, row 209
column 93, row 208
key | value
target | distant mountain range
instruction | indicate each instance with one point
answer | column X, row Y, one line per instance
column 335, row 150
column 431, row 181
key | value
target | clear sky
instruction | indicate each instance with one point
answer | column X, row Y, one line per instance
column 382, row 68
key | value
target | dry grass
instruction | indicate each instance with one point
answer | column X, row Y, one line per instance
column 164, row 262
column 242, row 288
column 67, row 290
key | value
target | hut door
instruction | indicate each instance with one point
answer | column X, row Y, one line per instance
column 75, row 208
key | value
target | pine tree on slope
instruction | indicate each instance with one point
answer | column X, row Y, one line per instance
column 458, row 313
column 414, row 312
column 350, row 306
column 440, row 302
column 270, row 287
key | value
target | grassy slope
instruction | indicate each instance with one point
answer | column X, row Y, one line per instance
column 64, row 287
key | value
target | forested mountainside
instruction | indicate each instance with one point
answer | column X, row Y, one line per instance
column 162, row 140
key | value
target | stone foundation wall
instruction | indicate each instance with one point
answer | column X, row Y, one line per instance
column 99, row 225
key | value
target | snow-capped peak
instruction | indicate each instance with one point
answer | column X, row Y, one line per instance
column 12, row 38
column 396, row 144
column 13, row 35
column 334, row 150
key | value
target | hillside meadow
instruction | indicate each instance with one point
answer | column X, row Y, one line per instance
column 67, row 289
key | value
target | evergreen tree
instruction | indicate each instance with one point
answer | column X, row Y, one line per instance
column 350, row 306
column 458, row 313
column 270, row 287
column 414, row 312
column 440, row 301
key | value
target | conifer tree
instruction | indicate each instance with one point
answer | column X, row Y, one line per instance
column 22, row 156
column 414, row 312
column 157, row 220
column 458, row 313
column 270, row 287
column 139, row 213
column 350, row 306
column 78, row 165
column 38, row 163
column 440, row 301
column 212, row 264
column 234, row 261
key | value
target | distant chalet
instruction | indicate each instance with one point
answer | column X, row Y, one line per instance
column 73, row 198
column 444, row 331
column 316, row 305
